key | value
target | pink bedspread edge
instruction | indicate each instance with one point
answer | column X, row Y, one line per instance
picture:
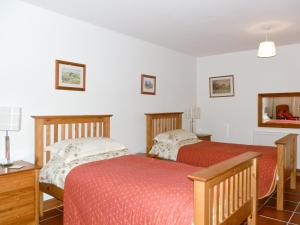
column 207, row 153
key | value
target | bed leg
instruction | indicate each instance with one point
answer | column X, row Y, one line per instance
column 201, row 212
column 252, row 219
column 293, row 179
column 280, row 193
column 41, row 204
column 254, row 192
column 293, row 151
column 281, row 169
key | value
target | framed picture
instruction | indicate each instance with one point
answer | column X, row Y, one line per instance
column 148, row 84
column 222, row 86
column 69, row 76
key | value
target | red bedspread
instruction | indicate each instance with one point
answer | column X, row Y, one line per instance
column 206, row 153
column 133, row 190
column 284, row 121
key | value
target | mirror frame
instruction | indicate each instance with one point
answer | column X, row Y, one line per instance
column 260, row 116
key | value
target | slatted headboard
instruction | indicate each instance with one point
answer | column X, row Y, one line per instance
column 51, row 129
column 157, row 123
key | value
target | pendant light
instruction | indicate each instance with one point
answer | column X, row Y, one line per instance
column 266, row 48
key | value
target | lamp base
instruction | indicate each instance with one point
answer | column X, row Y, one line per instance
column 6, row 164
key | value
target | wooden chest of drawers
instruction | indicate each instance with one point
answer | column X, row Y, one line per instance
column 19, row 195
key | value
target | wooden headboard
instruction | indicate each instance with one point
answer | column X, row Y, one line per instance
column 161, row 122
column 51, row 129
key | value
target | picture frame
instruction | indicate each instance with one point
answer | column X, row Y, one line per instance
column 148, row 84
column 69, row 75
column 221, row 86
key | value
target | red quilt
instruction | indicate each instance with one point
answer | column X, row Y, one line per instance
column 284, row 121
column 133, row 190
column 206, row 153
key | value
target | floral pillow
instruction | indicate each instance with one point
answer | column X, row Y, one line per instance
column 174, row 136
column 72, row 149
column 169, row 150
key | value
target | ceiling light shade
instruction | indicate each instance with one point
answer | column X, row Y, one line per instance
column 266, row 49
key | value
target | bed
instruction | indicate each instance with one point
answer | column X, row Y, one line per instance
column 51, row 129
column 135, row 189
column 286, row 148
column 279, row 122
column 216, row 199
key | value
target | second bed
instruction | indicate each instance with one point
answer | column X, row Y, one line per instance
column 280, row 159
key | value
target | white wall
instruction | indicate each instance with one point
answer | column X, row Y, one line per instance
column 252, row 75
column 32, row 38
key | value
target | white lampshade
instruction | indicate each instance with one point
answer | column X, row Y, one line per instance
column 266, row 49
column 193, row 113
column 10, row 118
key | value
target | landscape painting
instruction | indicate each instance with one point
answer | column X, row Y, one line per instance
column 148, row 84
column 221, row 86
column 70, row 76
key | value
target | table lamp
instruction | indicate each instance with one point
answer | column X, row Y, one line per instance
column 10, row 120
column 192, row 114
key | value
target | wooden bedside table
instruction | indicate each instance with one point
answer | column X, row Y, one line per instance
column 19, row 195
column 204, row 137
column 148, row 155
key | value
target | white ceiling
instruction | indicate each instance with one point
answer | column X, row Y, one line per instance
column 196, row 27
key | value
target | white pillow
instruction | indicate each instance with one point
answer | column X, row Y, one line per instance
column 175, row 136
column 169, row 151
column 72, row 149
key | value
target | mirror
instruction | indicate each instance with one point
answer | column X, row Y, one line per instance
column 280, row 110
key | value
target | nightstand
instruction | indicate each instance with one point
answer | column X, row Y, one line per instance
column 148, row 155
column 204, row 137
column 19, row 195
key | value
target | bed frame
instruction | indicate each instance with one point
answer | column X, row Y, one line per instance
column 51, row 129
column 226, row 193
column 216, row 201
column 286, row 148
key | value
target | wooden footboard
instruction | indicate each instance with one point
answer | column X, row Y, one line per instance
column 286, row 165
column 226, row 193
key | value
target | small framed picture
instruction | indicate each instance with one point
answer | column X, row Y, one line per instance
column 69, row 76
column 221, row 86
column 148, row 84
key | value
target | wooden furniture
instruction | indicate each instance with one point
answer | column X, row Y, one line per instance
column 51, row 129
column 263, row 98
column 226, row 193
column 286, row 148
column 204, row 137
column 216, row 199
column 19, row 195
column 219, row 180
column 159, row 123
column 148, row 155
